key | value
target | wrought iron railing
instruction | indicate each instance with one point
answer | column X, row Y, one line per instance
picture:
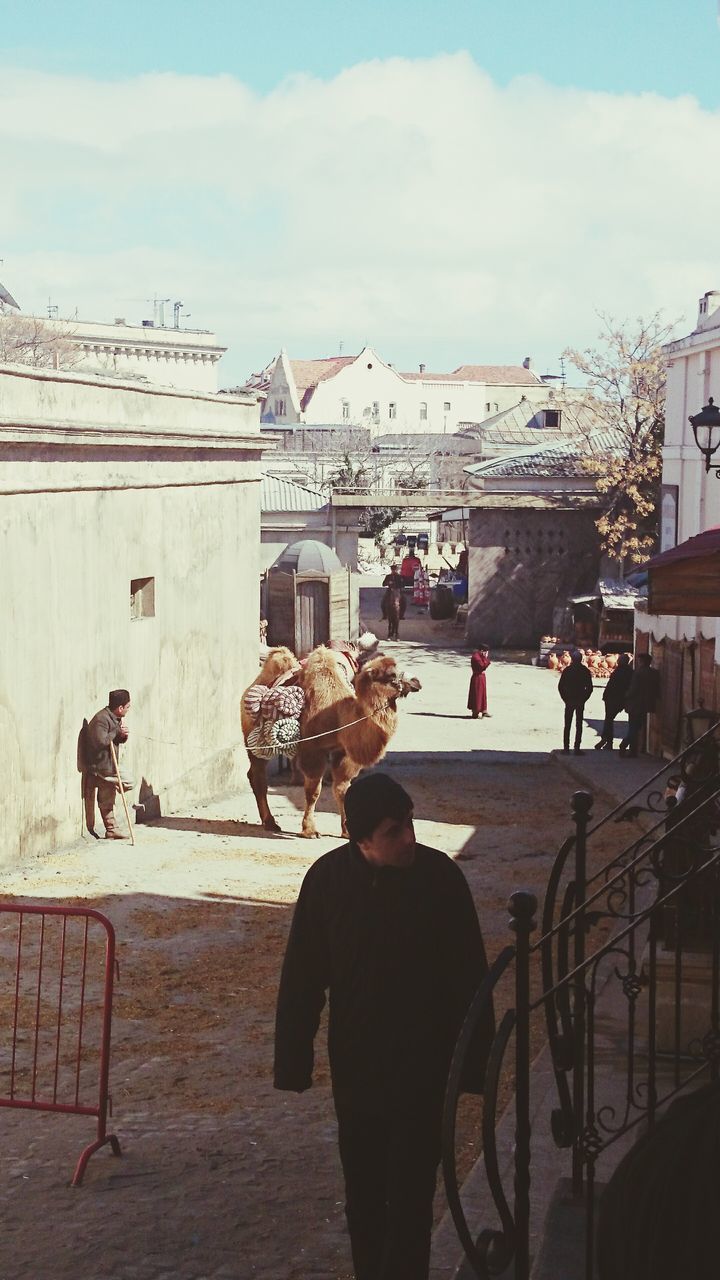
column 634, row 928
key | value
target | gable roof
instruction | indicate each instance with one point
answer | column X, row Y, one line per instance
column 308, row 373
column 512, row 375
column 278, row 494
column 524, row 424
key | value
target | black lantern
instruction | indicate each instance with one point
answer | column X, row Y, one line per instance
column 706, row 429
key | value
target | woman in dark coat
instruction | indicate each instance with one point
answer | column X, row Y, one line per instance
column 477, row 693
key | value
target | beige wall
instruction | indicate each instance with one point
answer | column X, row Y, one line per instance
column 185, row 513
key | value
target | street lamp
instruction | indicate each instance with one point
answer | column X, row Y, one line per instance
column 706, row 429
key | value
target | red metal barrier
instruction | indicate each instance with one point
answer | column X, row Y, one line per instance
column 55, row 1046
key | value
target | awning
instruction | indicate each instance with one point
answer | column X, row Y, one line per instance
column 686, row 579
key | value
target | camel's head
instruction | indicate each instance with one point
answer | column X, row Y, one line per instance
column 381, row 677
column 276, row 664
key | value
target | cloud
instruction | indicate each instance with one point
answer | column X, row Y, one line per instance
column 413, row 204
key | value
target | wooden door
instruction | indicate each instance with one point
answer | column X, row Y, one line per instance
column 312, row 615
column 281, row 608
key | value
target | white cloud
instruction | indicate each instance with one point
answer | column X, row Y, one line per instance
column 411, row 203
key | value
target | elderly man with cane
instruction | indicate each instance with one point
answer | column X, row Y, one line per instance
column 102, row 772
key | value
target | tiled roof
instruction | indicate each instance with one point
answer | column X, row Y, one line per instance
column 566, row 458
column 421, row 442
column 523, row 424
column 308, row 373
column 277, row 494
column 505, row 375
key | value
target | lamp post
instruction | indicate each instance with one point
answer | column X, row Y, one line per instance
column 706, row 429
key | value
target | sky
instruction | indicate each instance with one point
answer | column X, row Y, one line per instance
column 456, row 182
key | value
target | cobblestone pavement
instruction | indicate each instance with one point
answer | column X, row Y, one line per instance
column 221, row 1178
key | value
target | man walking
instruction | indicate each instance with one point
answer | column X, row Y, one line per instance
column 574, row 687
column 641, row 699
column 387, row 926
column 105, row 727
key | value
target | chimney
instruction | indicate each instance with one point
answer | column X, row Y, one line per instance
column 422, row 368
column 120, row 320
column 708, row 305
column 527, row 362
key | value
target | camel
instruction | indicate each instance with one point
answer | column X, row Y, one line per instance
column 350, row 727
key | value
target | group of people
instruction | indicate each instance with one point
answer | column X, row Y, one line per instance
column 632, row 689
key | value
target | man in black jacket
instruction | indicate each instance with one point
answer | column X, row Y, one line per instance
column 574, row 687
column 389, row 928
column 641, row 699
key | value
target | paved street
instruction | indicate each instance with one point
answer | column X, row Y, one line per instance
column 222, row 1178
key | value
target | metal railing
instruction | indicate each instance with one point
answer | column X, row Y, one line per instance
column 632, row 931
column 55, row 1048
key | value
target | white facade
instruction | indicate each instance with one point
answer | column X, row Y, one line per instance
column 185, row 359
column 129, row 558
column 364, row 390
column 693, row 376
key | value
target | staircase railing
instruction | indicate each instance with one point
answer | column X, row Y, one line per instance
column 635, row 928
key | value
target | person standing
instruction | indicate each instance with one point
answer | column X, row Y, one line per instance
column 388, row 928
column 421, row 587
column 641, row 699
column 614, row 695
column 410, row 563
column 477, row 693
column 392, row 580
column 105, row 727
column 574, row 687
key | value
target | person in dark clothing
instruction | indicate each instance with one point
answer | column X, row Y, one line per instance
column 574, row 687
column 477, row 693
column 388, row 927
column 99, row 773
column 392, row 580
column 658, row 1216
column 614, row 695
column 641, row 699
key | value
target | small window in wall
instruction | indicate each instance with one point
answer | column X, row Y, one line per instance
column 142, row 598
column 552, row 418
column 279, row 408
column 446, row 406
column 423, row 410
column 392, row 410
column 487, row 407
column 346, row 410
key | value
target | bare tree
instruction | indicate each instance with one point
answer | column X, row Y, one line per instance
column 28, row 340
column 626, row 396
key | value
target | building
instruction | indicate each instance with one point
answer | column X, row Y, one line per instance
column 364, row 390
column 532, row 538
column 291, row 512
column 147, row 352
column 685, row 647
column 129, row 558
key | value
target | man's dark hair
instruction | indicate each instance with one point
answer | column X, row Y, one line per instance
column 118, row 698
column 372, row 799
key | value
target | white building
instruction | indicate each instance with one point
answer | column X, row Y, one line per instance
column 185, row 359
column 363, row 390
column 686, row 648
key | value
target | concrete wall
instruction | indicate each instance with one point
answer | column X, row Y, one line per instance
column 87, row 506
column 522, row 563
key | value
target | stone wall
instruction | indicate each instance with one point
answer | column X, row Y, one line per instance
column 521, row 564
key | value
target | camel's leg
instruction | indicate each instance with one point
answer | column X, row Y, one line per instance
column 257, row 777
column 343, row 771
column 313, row 787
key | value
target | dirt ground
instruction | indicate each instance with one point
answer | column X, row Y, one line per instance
column 221, row 1177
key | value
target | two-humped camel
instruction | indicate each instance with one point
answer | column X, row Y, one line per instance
column 349, row 727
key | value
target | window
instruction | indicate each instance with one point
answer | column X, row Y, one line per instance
column 423, row 410
column 142, row 598
column 366, row 411
column 346, row 410
column 446, row 406
column 376, row 410
column 279, row 408
column 552, row 418
column 392, row 410
column 487, row 407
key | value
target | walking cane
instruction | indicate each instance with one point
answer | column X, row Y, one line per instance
column 122, row 790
